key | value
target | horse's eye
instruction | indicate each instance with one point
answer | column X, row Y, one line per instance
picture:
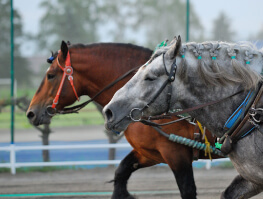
column 149, row 79
column 50, row 76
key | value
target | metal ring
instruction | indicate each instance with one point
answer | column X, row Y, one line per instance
column 253, row 115
column 54, row 102
column 136, row 120
column 51, row 113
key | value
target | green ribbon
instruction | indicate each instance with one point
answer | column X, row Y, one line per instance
column 247, row 62
column 160, row 45
column 233, row 57
column 218, row 145
column 199, row 57
column 183, row 56
column 213, row 58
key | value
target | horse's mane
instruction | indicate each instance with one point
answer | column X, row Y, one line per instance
column 111, row 44
column 94, row 45
column 219, row 62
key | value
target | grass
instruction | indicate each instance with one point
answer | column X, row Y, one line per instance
column 87, row 116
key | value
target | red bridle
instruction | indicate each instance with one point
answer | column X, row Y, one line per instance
column 68, row 71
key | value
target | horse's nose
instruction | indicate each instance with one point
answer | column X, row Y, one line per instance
column 108, row 115
column 31, row 115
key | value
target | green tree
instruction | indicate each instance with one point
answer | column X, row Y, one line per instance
column 76, row 21
column 22, row 72
column 222, row 28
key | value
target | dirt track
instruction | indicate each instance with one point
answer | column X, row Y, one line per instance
column 155, row 182
column 158, row 181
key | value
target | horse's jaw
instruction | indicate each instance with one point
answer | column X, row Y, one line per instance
column 117, row 126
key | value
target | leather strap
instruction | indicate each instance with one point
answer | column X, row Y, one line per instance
column 245, row 125
column 198, row 106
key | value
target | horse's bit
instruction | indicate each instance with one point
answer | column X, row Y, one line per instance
column 68, row 71
column 170, row 79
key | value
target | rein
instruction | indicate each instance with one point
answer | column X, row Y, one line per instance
column 67, row 71
column 195, row 107
column 76, row 108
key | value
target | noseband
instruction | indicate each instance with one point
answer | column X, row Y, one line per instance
column 168, row 82
column 67, row 71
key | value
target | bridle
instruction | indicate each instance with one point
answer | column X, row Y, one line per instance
column 67, row 71
column 168, row 82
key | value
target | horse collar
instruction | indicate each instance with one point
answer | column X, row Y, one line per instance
column 67, row 71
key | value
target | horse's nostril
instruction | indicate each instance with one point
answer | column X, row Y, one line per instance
column 108, row 114
column 30, row 115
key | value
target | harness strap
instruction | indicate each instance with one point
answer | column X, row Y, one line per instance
column 199, row 106
column 245, row 124
column 168, row 81
column 55, row 101
column 67, row 71
column 149, row 123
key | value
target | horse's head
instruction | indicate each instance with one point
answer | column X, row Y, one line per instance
column 55, row 92
column 150, row 86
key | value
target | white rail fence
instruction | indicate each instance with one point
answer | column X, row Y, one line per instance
column 12, row 148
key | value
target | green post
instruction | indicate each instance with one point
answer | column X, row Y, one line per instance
column 187, row 19
column 12, row 70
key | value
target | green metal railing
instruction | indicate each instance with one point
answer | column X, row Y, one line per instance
column 12, row 70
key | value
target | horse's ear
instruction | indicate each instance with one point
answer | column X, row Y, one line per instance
column 64, row 49
column 175, row 48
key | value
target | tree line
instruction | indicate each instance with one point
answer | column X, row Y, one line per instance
column 143, row 22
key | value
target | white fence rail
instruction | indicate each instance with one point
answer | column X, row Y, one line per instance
column 12, row 148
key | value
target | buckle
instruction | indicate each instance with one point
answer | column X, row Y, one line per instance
column 51, row 111
column 255, row 114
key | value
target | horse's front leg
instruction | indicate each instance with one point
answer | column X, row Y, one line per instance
column 180, row 162
column 241, row 188
column 132, row 162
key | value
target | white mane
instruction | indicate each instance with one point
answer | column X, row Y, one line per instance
column 220, row 62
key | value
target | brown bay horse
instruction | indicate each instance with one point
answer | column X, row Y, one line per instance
column 95, row 66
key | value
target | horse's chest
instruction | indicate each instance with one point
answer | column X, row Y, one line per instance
column 247, row 157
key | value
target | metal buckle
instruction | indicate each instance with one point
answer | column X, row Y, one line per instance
column 51, row 111
column 133, row 119
column 253, row 112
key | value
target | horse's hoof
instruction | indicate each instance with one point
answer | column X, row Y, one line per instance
column 222, row 195
column 124, row 197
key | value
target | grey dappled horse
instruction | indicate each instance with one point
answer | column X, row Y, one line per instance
column 205, row 72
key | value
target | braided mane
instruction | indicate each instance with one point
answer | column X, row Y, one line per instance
column 220, row 62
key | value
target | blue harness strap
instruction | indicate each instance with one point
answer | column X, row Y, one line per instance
column 239, row 112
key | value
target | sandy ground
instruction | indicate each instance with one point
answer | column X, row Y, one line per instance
column 157, row 181
column 149, row 183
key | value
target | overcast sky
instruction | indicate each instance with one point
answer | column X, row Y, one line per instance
column 246, row 16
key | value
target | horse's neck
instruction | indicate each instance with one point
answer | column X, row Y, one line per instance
column 214, row 116
column 102, row 65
